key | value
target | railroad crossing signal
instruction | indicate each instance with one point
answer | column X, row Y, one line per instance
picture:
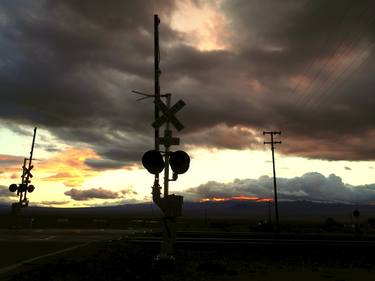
column 155, row 161
column 169, row 114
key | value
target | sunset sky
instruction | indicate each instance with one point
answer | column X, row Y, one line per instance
column 303, row 67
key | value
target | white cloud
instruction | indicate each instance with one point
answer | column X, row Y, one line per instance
column 310, row 186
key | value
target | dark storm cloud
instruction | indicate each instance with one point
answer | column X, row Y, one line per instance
column 4, row 191
column 10, row 160
column 303, row 37
column 5, row 195
column 260, row 86
column 310, row 186
column 98, row 164
column 128, row 192
column 93, row 193
column 98, row 193
column 69, row 66
column 49, row 203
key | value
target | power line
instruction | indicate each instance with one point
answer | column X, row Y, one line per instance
column 345, row 71
column 310, row 94
column 339, row 78
column 304, row 96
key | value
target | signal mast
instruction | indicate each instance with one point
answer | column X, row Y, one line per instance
column 25, row 185
column 155, row 161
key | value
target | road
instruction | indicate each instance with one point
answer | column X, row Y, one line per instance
column 66, row 235
column 26, row 246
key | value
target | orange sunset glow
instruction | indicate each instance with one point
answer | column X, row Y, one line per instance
column 68, row 167
column 236, row 198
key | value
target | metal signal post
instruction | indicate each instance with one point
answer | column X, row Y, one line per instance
column 25, row 185
column 157, row 73
column 272, row 143
column 155, row 161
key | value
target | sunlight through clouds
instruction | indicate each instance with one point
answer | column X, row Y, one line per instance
column 205, row 26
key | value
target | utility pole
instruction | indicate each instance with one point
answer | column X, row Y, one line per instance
column 272, row 143
column 269, row 211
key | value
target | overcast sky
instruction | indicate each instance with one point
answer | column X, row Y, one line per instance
column 302, row 67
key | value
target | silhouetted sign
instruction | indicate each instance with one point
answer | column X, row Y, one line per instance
column 153, row 161
column 28, row 171
column 168, row 140
column 168, row 114
column 179, row 161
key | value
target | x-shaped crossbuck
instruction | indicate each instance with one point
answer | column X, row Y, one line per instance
column 168, row 114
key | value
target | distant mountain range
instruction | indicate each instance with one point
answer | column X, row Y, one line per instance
column 294, row 210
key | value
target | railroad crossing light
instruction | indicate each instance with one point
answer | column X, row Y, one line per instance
column 153, row 161
column 30, row 188
column 13, row 187
column 179, row 161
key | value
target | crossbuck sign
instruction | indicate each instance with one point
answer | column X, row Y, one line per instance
column 168, row 114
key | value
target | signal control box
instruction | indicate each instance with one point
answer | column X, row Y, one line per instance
column 171, row 205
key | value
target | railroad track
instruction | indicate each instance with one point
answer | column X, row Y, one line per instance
column 246, row 239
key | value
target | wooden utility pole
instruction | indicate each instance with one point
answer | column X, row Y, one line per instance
column 272, row 143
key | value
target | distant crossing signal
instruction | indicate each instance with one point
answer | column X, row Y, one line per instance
column 24, row 186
